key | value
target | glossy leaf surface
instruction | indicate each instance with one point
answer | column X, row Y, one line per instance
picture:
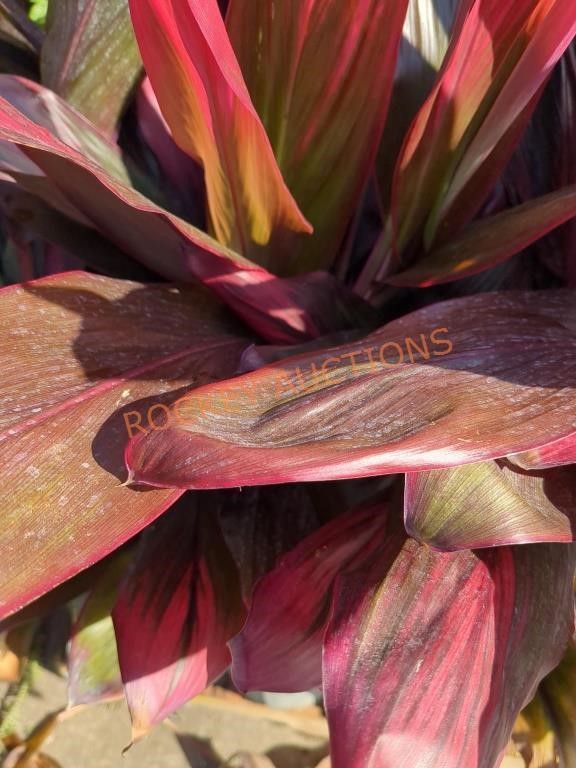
column 499, row 58
column 379, row 406
column 161, row 241
column 306, row 66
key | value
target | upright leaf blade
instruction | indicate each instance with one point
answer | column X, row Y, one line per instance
column 307, row 65
column 425, row 37
column 90, row 57
column 491, row 240
column 499, row 58
column 200, row 89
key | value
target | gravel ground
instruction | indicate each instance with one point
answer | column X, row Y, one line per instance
column 204, row 734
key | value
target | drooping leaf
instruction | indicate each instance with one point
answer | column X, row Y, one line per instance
column 554, row 454
column 306, row 66
column 46, row 109
column 175, row 614
column 200, row 89
column 159, row 240
column 450, row 384
column 280, row 645
column 436, row 654
column 491, row 240
column 498, row 60
column 83, row 350
column 93, row 670
column 90, row 57
column 490, row 504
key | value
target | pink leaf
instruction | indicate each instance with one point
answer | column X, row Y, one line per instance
column 430, row 657
column 175, row 614
column 161, row 241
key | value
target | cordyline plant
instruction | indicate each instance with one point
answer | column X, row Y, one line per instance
column 295, row 391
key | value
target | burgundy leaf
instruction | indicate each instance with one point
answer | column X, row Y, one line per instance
column 182, row 172
column 451, row 384
column 280, row 646
column 430, row 657
column 253, row 522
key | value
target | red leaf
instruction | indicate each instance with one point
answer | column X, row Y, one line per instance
column 175, row 614
column 357, row 410
column 498, row 60
column 158, row 239
column 200, row 89
column 83, row 350
column 280, row 645
column 307, row 65
column 430, row 657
